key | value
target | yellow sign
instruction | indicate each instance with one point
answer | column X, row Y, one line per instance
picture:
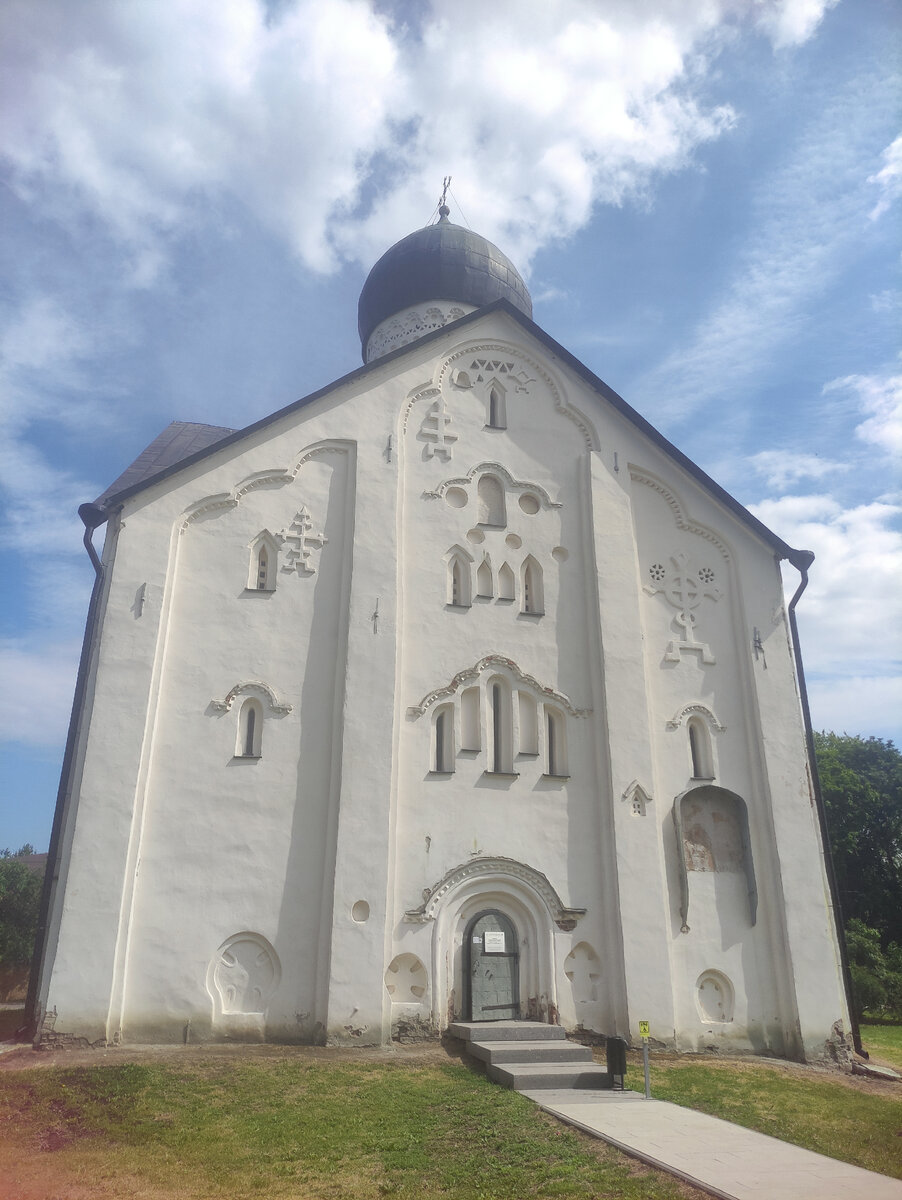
column 643, row 1029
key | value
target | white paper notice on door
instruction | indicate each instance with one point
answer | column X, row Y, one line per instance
column 493, row 942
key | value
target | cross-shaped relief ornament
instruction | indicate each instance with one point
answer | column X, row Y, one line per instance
column 436, row 431
column 300, row 540
column 685, row 589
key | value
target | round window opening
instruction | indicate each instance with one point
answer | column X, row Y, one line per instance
column 456, row 497
column 529, row 503
column 360, row 912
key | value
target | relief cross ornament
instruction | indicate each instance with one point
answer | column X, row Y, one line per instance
column 300, row 540
column 684, row 588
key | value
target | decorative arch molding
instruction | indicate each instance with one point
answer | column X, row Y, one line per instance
column 219, row 502
column 260, row 691
column 493, row 468
column 495, row 662
column 561, row 404
column 488, row 870
column 696, row 710
column 681, row 516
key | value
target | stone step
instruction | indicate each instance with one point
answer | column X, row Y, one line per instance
column 533, row 1076
column 539, row 1052
column 506, row 1031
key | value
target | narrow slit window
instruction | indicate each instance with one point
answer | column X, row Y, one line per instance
column 700, row 750
column 484, row 586
column 555, row 744
column 497, row 416
column 250, row 730
column 506, row 585
column 443, row 741
column 458, row 581
column 263, row 569
column 533, row 597
column 502, row 728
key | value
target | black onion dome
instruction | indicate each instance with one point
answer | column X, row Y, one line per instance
column 440, row 262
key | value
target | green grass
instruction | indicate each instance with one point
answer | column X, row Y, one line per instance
column 883, row 1040
column 305, row 1129
column 822, row 1112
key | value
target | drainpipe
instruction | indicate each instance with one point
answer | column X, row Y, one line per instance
column 93, row 517
column 802, row 560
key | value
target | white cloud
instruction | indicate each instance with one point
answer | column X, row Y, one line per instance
column 782, row 468
column 867, row 705
column 888, row 179
column 143, row 114
column 850, row 615
column 790, row 22
column 806, row 227
column 36, row 698
column 880, row 397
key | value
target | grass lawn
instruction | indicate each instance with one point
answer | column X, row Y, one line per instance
column 279, row 1122
column 832, row 1114
column 883, row 1041
column 292, row 1126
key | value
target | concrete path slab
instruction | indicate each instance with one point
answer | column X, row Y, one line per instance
column 714, row 1155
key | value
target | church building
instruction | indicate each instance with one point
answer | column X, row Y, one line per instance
column 451, row 691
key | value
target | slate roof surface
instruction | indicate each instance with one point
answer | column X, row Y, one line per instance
column 178, row 441
column 176, row 447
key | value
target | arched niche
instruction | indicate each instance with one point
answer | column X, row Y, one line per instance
column 712, row 833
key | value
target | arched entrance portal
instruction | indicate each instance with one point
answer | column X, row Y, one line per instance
column 492, row 968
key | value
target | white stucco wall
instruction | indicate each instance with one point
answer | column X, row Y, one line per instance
column 322, row 890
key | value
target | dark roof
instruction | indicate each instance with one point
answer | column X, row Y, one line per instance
column 117, row 492
column 178, row 441
column 440, row 262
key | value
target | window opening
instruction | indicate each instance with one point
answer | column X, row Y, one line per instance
column 262, row 569
column 533, row 599
column 443, row 746
column 469, row 719
column 459, row 582
column 555, row 747
column 497, row 415
column 502, row 732
column 491, row 502
column 250, row 730
column 496, row 727
column 484, row 585
column 505, row 583
column 529, row 724
column 700, row 750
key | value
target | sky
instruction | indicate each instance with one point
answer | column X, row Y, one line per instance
column 703, row 195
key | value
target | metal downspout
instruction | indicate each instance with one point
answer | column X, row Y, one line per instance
column 802, row 560
column 93, row 517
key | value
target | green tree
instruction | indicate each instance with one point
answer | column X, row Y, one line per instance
column 861, row 782
column 20, row 898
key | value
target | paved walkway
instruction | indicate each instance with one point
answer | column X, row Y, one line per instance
column 716, row 1156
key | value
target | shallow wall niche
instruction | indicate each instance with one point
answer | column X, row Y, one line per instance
column 712, row 830
column 582, row 967
column 714, row 997
column 241, row 979
column 405, row 979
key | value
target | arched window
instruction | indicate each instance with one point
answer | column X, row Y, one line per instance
column 501, row 740
column 484, row 584
column 506, row 583
column 250, row 730
column 443, row 740
column 700, row 749
column 491, row 502
column 533, row 598
column 469, row 719
column 497, row 408
column 458, row 581
column 529, row 724
column 555, row 743
column 264, row 560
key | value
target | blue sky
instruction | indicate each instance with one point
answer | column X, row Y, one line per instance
column 704, row 198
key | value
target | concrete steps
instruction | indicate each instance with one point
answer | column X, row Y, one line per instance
column 529, row 1056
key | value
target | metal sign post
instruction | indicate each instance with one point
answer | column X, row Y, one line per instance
column 643, row 1033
